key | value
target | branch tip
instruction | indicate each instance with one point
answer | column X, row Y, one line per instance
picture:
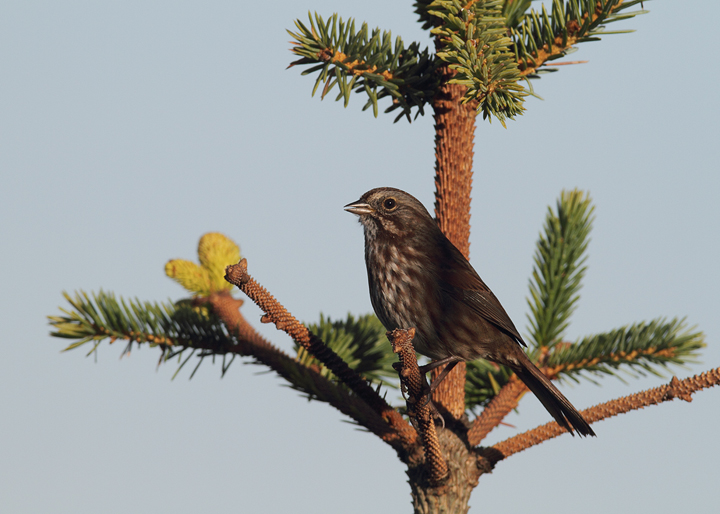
column 237, row 274
column 401, row 339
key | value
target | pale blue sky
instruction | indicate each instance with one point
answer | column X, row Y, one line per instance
column 128, row 129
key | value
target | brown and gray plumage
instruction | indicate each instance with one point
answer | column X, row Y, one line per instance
column 419, row 279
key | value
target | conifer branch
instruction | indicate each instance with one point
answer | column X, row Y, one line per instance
column 682, row 389
column 556, row 281
column 418, row 405
column 366, row 63
column 554, row 292
column 541, row 37
column 277, row 314
column 500, row 406
column 643, row 346
column 166, row 325
column 472, row 39
column 390, row 428
column 559, row 267
column 210, row 332
column 361, row 342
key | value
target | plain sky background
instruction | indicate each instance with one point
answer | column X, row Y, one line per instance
column 128, row 129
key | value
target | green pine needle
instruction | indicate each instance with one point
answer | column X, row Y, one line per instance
column 513, row 11
column 366, row 62
column 541, row 37
column 173, row 328
column 473, row 41
column 638, row 348
column 559, row 267
column 184, row 331
column 491, row 45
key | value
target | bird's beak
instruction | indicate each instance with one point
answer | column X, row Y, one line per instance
column 359, row 208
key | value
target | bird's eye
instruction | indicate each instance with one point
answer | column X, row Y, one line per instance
column 390, row 204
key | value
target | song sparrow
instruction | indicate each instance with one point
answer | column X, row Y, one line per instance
column 419, row 279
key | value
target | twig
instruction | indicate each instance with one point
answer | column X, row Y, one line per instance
column 495, row 411
column 682, row 389
column 564, row 63
column 418, row 404
column 252, row 344
column 275, row 313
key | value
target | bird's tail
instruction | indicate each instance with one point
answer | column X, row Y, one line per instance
column 554, row 401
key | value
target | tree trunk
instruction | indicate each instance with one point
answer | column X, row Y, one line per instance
column 454, row 134
column 464, row 471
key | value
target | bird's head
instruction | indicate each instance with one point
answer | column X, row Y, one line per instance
column 390, row 212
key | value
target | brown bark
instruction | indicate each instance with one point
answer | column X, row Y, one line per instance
column 464, row 469
column 454, row 133
column 415, row 386
column 495, row 411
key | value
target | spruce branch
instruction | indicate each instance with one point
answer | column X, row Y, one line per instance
column 640, row 347
column 559, row 267
column 418, row 405
column 368, row 63
column 541, row 37
column 647, row 346
column 472, row 40
column 682, row 389
column 494, row 413
column 102, row 316
column 211, row 327
column 386, row 424
column 556, row 280
column 361, row 343
column 277, row 314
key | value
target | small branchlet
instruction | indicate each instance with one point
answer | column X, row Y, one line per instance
column 559, row 267
column 365, row 61
column 542, row 37
column 500, row 406
column 682, row 389
column 418, row 405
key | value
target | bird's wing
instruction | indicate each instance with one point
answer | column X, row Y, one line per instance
column 462, row 282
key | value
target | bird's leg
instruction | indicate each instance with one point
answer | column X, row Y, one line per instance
column 451, row 363
column 436, row 364
column 443, row 373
